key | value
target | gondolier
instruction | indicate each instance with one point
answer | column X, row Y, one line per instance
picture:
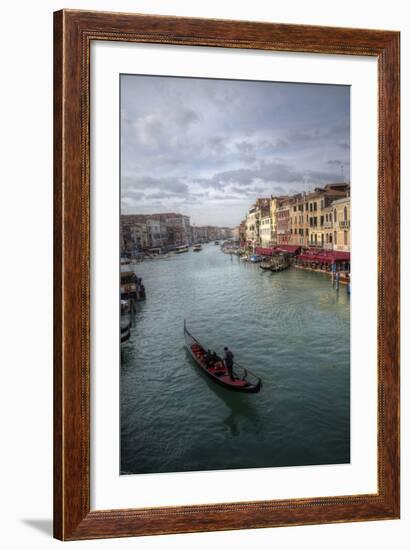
column 228, row 358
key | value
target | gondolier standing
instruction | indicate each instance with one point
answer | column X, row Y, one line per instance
column 228, row 358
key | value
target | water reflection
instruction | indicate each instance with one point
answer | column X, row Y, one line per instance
column 239, row 405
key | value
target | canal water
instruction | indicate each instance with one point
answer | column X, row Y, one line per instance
column 290, row 328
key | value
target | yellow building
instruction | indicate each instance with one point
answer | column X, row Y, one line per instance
column 260, row 210
column 265, row 231
column 319, row 219
column 341, row 224
column 311, row 217
column 250, row 225
column 326, row 228
column 298, row 220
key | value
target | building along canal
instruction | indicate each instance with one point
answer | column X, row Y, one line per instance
column 290, row 328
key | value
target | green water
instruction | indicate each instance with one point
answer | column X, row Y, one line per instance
column 290, row 328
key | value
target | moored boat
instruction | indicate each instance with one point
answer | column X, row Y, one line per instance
column 243, row 379
column 197, row 248
column 125, row 329
column 182, row 249
column 255, row 258
column 280, row 267
column 266, row 265
column 276, row 263
column 125, row 321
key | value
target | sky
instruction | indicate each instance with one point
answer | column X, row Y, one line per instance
column 209, row 148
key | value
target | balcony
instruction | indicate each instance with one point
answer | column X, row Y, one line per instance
column 328, row 225
column 345, row 224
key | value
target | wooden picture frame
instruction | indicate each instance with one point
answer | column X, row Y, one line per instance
column 74, row 32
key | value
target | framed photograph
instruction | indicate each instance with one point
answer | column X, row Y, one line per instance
column 226, row 275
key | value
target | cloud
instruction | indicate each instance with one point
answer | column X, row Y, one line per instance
column 170, row 185
column 183, row 116
column 133, row 194
column 195, row 141
column 268, row 173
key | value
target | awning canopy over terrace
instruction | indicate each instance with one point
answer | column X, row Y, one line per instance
column 325, row 256
column 284, row 248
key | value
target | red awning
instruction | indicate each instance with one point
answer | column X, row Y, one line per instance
column 264, row 251
column 284, row 248
column 341, row 256
column 325, row 256
column 289, row 248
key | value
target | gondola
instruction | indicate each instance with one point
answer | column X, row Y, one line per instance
column 275, row 264
column 244, row 380
column 282, row 267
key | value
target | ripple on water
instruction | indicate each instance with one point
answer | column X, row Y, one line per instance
column 291, row 328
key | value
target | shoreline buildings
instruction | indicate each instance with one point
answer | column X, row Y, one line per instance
column 319, row 219
column 140, row 233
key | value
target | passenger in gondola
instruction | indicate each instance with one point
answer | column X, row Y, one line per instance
column 228, row 359
column 213, row 359
column 207, row 358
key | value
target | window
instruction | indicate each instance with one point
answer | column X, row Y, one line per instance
column 345, row 213
column 315, row 206
column 335, row 237
column 335, row 215
column 345, row 238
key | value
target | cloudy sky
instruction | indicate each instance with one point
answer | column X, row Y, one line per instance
column 208, row 148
